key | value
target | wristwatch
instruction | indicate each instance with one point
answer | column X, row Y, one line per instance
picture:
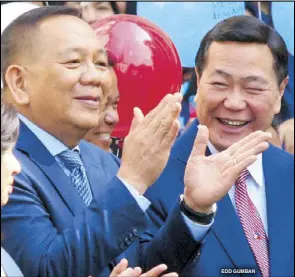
column 200, row 218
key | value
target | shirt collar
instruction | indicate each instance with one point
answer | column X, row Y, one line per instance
column 52, row 144
column 255, row 169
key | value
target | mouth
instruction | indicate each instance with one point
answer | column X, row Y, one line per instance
column 90, row 101
column 233, row 123
column 104, row 136
column 10, row 188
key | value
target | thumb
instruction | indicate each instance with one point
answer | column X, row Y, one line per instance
column 119, row 268
column 137, row 118
column 201, row 141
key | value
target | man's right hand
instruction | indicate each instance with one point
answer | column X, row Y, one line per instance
column 147, row 147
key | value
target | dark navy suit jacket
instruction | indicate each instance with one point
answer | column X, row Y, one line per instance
column 226, row 246
column 49, row 231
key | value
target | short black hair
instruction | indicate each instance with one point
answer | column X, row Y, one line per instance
column 18, row 36
column 246, row 29
column 9, row 127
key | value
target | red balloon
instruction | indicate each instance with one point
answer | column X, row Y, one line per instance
column 146, row 63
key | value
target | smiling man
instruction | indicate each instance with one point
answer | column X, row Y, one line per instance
column 242, row 72
column 74, row 208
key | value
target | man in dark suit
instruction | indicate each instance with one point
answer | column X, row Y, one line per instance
column 242, row 72
column 72, row 211
column 74, row 208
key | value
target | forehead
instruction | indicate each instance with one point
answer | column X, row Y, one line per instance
column 240, row 57
column 63, row 32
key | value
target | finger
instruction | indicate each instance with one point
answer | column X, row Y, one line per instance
column 237, row 169
column 178, row 96
column 119, row 268
column 289, row 145
column 256, row 150
column 201, row 141
column 172, row 274
column 137, row 271
column 156, row 271
column 167, row 99
column 137, row 118
column 248, row 141
column 128, row 272
column 281, row 134
column 162, row 122
column 171, row 136
column 264, row 137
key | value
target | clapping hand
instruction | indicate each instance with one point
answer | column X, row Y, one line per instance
column 147, row 147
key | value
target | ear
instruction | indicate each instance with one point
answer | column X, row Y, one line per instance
column 282, row 88
column 198, row 83
column 15, row 78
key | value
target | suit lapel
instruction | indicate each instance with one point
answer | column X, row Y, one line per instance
column 280, row 208
column 38, row 153
column 229, row 232
column 92, row 170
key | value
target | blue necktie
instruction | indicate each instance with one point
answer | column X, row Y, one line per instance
column 74, row 164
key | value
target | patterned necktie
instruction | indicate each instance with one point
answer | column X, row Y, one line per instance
column 252, row 224
column 74, row 164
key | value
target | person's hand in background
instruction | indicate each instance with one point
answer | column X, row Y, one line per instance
column 286, row 132
column 121, row 270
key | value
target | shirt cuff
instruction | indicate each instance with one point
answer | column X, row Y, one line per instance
column 142, row 202
column 198, row 231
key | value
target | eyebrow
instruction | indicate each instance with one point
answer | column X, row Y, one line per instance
column 252, row 78
column 221, row 72
column 80, row 50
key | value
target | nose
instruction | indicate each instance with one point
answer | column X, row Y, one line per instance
column 93, row 75
column 111, row 117
column 235, row 101
column 88, row 15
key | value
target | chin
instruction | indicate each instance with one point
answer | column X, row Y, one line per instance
column 222, row 144
column 4, row 199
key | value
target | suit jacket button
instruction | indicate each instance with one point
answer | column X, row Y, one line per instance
column 131, row 236
column 135, row 232
column 127, row 241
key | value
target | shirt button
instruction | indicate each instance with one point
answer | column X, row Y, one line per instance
column 131, row 236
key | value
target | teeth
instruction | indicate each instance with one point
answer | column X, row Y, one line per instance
column 234, row 123
column 105, row 136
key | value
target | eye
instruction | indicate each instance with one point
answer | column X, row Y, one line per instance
column 102, row 63
column 74, row 61
column 219, row 85
column 115, row 105
column 255, row 89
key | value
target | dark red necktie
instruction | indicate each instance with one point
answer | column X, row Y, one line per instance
column 252, row 224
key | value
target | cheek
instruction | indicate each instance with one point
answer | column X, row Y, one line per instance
column 262, row 109
column 207, row 102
